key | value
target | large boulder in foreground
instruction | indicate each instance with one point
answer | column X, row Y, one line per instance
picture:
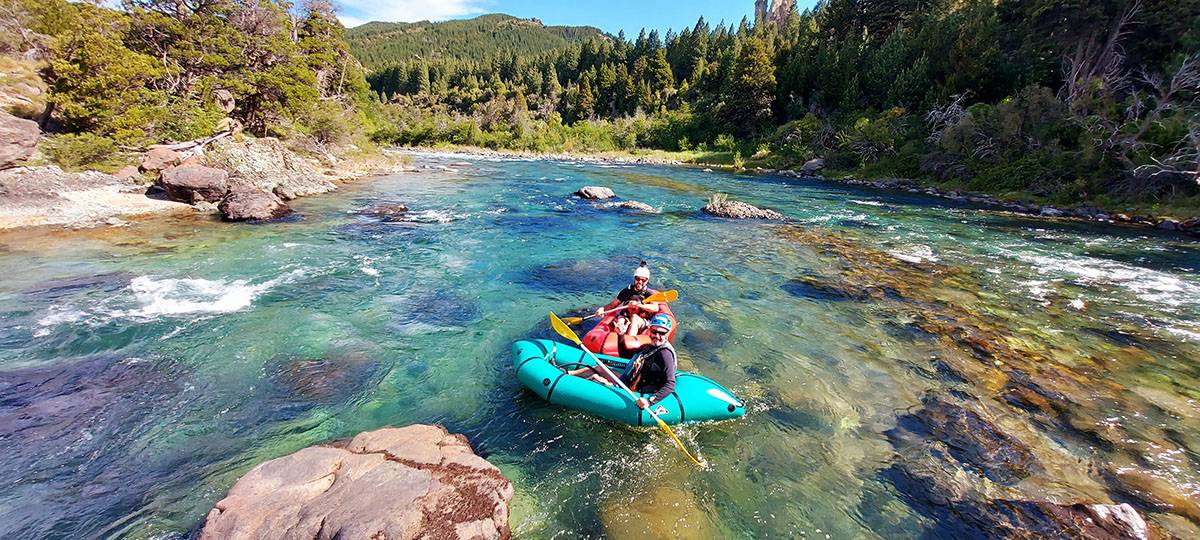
column 721, row 206
column 252, row 205
column 595, row 193
column 194, row 183
column 18, row 139
column 397, row 483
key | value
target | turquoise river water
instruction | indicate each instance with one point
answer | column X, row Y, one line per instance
column 889, row 345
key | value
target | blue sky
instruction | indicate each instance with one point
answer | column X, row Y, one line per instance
column 608, row 15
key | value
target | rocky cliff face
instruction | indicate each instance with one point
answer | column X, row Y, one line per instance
column 418, row 481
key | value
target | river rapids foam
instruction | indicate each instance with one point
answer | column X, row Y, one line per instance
column 149, row 298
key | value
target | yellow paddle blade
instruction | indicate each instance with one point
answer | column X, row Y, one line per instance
column 678, row 443
column 663, row 296
column 563, row 330
column 572, row 320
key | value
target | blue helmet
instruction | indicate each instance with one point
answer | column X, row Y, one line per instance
column 661, row 320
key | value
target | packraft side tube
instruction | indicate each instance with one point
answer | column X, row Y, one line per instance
column 696, row 398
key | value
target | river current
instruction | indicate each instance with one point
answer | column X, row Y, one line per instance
column 901, row 355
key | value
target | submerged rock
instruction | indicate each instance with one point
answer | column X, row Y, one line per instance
column 1040, row 519
column 325, row 379
column 722, row 207
column 18, row 138
column 386, row 212
column 194, row 183
column 817, row 289
column 665, row 512
column 595, row 192
column 942, row 450
column 418, row 481
column 253, row 205
column 90, row 417
column 1156, row 493
column 973, row 442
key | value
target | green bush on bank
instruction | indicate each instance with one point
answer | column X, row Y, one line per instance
column 80, row 151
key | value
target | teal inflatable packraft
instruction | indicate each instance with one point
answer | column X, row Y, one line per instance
column 696, row 398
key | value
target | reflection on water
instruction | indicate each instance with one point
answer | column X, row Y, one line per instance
column 913, row 368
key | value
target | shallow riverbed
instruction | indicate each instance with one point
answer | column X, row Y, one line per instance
column 891, row 347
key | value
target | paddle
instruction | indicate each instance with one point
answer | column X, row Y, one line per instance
column 663, row 296
column 566, row 332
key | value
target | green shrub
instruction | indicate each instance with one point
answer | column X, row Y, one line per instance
column 725, row 142
column 80, row 151
column 327, row 123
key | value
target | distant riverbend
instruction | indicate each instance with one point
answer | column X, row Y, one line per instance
column 913, row 365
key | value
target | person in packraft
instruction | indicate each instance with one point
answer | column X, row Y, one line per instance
column 632, row 320
column 651, row 370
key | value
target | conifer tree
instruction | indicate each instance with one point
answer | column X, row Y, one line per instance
column 751, row 91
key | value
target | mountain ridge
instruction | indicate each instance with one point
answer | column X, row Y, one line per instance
column 378, row 43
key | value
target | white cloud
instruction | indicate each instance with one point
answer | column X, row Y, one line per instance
column 356, row 12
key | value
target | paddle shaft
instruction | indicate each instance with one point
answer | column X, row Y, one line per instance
column 658, row 297
column 606, row 312
column 621, row 384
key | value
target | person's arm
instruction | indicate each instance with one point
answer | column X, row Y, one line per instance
column 608, row 306
column 613, row 304
column 668, row 357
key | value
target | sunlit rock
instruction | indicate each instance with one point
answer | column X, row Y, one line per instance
column 638, row 206
column 194, row 183
column 253, row 205
column 595, row 192
column 719, row 205
column 414, row 482
column 18, row 139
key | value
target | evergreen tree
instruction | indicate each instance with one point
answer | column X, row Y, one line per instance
column 751, row 91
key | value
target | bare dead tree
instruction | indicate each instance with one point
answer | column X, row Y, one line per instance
column 1100, row 57
column 1147, row 110
column 940, row 118
column 1183, row 162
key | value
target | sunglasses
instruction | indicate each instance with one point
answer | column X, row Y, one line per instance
column 658, row 333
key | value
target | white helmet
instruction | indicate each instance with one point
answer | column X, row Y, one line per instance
column 642, row 271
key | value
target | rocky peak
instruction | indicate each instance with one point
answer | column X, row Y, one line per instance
column 771, row 11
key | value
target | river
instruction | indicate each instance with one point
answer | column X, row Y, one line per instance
column 889, row 345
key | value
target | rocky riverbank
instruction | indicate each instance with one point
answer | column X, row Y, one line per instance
column 418, row 481
column 49, row 196
column 246, row 179
column 1189, row 226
